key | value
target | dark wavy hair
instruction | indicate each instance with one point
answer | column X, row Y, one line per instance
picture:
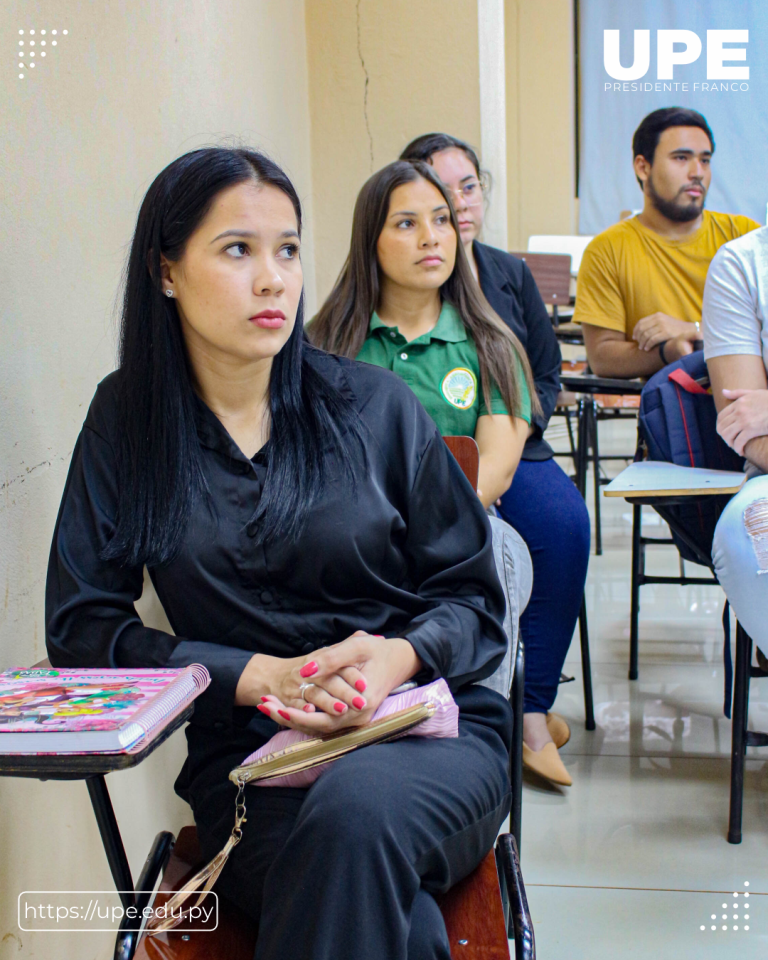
column 648, row 134
column 342, row 323
column 159, row 463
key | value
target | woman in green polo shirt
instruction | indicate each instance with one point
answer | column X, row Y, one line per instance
column 406, row 300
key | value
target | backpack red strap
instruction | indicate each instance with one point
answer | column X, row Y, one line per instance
column 686, row 381
column 685, row 422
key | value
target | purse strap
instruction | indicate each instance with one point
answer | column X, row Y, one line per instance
column 302, row 756
column 207, row 876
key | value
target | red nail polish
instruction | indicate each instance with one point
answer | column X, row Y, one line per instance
column 309, row 669
column 307, row 708
column 284, row 715
column 358, row 702
column 265, row 699
column 379, row 636
column 339, row 707
column 263, row 709
column 360, row 685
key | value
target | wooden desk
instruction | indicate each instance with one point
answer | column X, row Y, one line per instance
column 590, row 384
column 569, row 332
column 92, row 768
column 652, row 478
column 663, row 486
column 666, row 484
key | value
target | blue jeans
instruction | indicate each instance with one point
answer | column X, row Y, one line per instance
column 740, row 556
column 545, row 508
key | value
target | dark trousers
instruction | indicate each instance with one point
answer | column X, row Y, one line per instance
column 546, row 509
column 347, row 869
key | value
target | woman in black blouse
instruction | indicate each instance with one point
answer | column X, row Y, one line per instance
column 542, row 504
column 299, row 516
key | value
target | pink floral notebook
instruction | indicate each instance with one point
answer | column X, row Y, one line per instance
column 92, row 711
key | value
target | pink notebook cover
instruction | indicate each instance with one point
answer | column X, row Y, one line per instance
column 92, row 710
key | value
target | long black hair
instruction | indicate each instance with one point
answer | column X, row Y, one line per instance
column 160, row 469
column 342, row 323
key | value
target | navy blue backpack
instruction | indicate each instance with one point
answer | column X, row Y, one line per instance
column 677, row 423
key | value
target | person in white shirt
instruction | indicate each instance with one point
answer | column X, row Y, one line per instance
column 735, row 329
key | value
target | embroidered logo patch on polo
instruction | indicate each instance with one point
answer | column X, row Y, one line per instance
column 459, row 387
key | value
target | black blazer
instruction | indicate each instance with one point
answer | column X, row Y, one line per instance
column 510, row 289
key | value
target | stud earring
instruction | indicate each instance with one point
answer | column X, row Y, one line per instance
column 169, row 293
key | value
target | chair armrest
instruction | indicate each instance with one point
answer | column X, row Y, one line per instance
column 520, row 925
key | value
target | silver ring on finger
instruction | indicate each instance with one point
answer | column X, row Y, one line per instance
column 302, row 690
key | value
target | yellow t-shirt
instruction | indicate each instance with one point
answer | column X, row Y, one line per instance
column 628, row 271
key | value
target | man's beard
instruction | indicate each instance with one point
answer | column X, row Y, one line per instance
column 673, row 209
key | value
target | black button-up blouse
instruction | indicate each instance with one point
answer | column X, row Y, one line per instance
column 409, row 554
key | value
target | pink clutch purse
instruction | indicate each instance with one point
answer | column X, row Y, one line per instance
column 428, row 711
column 444, row 722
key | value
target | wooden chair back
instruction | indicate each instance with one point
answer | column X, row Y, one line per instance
column 572, row 244
column 467, row 455
column 552, row 273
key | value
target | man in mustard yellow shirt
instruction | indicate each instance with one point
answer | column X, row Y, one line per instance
column 641, row 281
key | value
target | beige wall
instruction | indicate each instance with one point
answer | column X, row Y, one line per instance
column 333, row 89
column 132, row 86
column 380, row 74
column 540, row 119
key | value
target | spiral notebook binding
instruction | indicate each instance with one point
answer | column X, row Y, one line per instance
column 167, row 704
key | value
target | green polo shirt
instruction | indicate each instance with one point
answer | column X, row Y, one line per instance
column 442, row 369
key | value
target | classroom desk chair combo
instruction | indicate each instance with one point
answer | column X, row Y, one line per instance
column 664, row 485
column 480, row 912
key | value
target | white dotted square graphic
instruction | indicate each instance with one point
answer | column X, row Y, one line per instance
column 28, row 55
column 735, row 916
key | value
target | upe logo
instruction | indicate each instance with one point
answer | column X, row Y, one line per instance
column 676, row 48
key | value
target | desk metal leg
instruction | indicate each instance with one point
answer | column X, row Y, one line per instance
column 739, row 730
column 110, row 837
column 571, row 441
column 638, row 566
column 586, row 667
column 582, row 447
column 596, row 470
column 516, row 759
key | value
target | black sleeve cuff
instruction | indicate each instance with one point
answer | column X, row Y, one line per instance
column 214, row 707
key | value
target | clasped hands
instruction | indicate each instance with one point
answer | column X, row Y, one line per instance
column 349, row 681
column 658, row 328
column 744, row 419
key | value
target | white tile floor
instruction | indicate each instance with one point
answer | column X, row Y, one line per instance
column 632, row 861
